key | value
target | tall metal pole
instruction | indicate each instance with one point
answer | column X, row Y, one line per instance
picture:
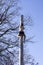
column 21, row 51
column 21, row 39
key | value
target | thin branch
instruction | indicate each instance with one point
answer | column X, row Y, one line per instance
column 8, row 31
column 11, row 52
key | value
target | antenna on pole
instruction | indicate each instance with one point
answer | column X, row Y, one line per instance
column 21, row 36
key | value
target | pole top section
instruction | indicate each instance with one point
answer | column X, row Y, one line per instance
column 21, row 17
column 21, row 20
column 21, row 29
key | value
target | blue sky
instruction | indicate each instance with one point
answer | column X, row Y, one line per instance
column 35, row 9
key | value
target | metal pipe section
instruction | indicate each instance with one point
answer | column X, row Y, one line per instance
column 21, row 62
column 21, row 35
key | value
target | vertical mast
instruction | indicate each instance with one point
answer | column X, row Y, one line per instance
column 21, row 39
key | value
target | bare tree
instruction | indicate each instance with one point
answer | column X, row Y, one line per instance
column 9, row 12
column 9, row 9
